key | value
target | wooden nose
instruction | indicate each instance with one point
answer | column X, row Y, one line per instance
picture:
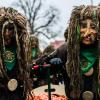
column 87, row 32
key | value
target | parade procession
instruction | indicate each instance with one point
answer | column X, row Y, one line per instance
column 62, row 70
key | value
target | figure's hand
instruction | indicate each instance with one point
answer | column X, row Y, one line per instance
column 55, row 61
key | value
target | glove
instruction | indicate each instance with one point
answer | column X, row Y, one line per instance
column 55, row 61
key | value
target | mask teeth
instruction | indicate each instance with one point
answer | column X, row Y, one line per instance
column 92, row 38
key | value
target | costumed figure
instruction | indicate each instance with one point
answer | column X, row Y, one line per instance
column 36, row 52
column 83, row 47
column 15, row 55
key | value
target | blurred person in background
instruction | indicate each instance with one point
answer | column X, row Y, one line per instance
column 36, row 53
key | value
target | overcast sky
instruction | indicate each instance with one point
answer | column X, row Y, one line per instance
column 65, row 7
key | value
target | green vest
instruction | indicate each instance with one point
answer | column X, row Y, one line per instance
column 34, row 53
column 10, row 57
column 87, row 59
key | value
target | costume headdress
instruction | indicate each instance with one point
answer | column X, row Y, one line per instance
column 73, row 40
column 34, row 39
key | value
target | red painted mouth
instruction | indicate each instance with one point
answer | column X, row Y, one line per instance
column 88, row 38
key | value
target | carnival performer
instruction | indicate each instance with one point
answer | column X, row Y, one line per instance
column 80, row 53
column 82, row 63
column 36, row 53
column 15, row 55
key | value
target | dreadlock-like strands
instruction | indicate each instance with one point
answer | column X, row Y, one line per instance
column 22, row 42
column 73, row 41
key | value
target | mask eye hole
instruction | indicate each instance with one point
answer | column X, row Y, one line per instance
column 93, row 26
column 10, row 27
column 83, row 25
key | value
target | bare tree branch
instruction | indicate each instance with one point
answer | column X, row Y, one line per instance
column 22, row 7
column 47, row 24
column 39, row 23
column 48, row 37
